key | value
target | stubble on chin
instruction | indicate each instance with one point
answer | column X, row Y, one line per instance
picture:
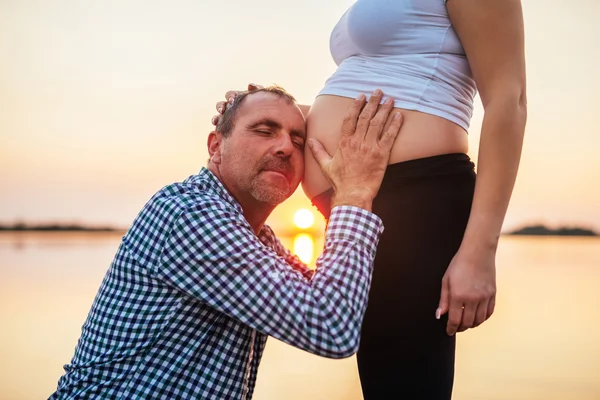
column 268, row 193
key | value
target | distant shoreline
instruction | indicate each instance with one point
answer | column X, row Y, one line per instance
column 57, row 228
column 541, row 230
column 534, row 230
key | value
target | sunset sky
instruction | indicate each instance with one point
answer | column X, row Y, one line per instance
column 104, row 102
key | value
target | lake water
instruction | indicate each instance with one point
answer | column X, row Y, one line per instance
column 543, row 341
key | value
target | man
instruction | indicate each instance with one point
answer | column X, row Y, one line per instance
column 199, row 281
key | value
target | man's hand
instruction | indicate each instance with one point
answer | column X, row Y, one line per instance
column 230, row 96
column 357, row 168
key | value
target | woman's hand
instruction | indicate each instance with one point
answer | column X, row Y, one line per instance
column 230, row 96
column 468, row 290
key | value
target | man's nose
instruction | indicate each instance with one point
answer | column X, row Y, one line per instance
column 284, row 146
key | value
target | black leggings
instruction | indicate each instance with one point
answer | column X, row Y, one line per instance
column 404, row 351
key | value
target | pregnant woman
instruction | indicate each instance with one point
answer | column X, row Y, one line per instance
column 435, row 266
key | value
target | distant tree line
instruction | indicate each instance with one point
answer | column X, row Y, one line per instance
column 541, row 230
column 535, row 230
column 20, row 226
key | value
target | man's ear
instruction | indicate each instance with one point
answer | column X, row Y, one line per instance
column 214, row 146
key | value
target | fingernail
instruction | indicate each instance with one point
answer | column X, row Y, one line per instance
column 310, row 143
column 396, row 115
column 230, row 100
column 214, row 120
column 220, row 109
column 360, row 97
column 388, row 100
column 377, row 93
column 438, row 312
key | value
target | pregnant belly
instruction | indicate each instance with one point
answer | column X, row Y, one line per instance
column 421, row 135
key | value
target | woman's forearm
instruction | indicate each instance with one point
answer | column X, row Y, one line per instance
column 498, row 162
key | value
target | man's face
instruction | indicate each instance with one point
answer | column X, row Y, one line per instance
column 262, row 158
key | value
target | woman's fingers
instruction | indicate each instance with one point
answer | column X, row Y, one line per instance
column 221, row 107
column 481, row 314
column 455, row 316
column 468, row 317
column 254, row 86
column 490, row 307
column 474, row 313
column 230, row 97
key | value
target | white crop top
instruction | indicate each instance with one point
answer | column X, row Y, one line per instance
column 408, row 49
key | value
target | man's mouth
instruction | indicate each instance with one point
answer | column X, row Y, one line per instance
column 279, row 167
column 285, row 174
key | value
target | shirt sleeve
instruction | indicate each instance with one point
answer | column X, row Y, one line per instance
column 293, row 261
column 213, row 255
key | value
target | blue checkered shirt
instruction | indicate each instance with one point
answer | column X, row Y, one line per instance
column 186, row 306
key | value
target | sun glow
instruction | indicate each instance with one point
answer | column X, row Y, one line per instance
column 304, row 218
column 304, row 247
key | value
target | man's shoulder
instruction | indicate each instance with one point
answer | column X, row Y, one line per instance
column 196, row 193
column 175, row 203
column 187, row 195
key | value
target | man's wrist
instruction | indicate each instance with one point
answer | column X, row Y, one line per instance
column 357, row 199
column 366, row 227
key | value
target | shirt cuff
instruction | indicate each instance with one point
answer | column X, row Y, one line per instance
column 355, row 224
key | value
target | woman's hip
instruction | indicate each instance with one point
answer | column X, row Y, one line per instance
column 431, row 189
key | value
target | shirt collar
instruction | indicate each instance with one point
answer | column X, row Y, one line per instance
column 214, row 185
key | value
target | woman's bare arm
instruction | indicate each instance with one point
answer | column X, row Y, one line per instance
column 492, row 34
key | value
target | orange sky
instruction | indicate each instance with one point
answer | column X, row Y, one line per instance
column 103, row 103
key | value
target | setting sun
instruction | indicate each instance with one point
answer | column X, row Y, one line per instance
column 304, row 247
column 304, row 218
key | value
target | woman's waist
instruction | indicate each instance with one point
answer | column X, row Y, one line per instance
column 425, row 135
column 422, row 135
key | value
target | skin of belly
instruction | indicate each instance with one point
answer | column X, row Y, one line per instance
column 422, row 135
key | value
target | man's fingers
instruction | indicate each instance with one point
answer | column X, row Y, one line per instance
column 349, row 124
column 378, row 122
column 367, row 113
column 389, row 135
column 454, row 317
column 319, row 153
